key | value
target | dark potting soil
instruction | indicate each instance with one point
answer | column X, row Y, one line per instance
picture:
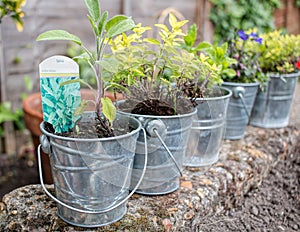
column 156, row 107
column 94, row 129
column 99, row 128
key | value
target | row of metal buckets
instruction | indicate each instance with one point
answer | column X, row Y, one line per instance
column 94, row 178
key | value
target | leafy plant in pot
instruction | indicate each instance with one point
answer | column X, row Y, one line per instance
column 88, row 167
column 280, row 61
column 245, row 83
column 208, row 128
column 155, row 76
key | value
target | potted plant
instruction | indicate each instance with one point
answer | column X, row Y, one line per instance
column 33, row 114
column 208, row 128
column 280, row 60
column 159, row 81
column 244, row 84
column 91, row 153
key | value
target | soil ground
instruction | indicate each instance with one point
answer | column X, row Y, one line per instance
column 17, row 171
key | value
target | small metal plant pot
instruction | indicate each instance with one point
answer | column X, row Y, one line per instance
column 272, row 106
column 208, row 129
column 91, row 176
column 239, row 108
column 167, row 138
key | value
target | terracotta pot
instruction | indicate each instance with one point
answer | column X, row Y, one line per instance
column 33, row 117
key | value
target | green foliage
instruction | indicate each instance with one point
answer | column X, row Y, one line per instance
column 245, row 63
column 229, row 15
column 279, row 52
column 217, row 55
column 297, row 2
column 108, row 109
column 8, row 115
column 86, row 73
column 151, row 68
column 59, row 35
column 104, row 30
column 13, row 8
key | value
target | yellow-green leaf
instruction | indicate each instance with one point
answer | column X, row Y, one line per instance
column 172, row 20
column 162, row 26
column 108, row 109
column 152, row 41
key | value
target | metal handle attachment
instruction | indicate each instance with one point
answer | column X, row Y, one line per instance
column 156, row 128
column 239, row 92
column 89, row 211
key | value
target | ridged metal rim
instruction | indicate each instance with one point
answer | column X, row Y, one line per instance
column 240, row 84
column 94, row 139
column 227, row 95
column 160, row 117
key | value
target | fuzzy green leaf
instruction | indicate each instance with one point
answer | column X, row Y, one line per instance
column 118, row 25
column 95, row 29
column 94, row 9
column 110, row 65
column 108, row 109
column 77, row 80
column 58, row 35
column 102, row 22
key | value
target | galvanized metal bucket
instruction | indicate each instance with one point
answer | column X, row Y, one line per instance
column 91, row 176
column 272, row 107
column 167, row 138
column 239, row 108
column 208, row 129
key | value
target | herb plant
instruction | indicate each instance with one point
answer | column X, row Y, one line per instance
column 155, row 72
column 216, row 55
column 246, row 63
column 279, row 52
column 104, row 30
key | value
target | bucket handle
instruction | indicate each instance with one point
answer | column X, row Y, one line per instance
column 153, row 128
column 92, row 211
column 283, row 79
column 239, row 92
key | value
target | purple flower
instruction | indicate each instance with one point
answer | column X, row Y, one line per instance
column 253, row 34
column 242, row 35
column 258, row 40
